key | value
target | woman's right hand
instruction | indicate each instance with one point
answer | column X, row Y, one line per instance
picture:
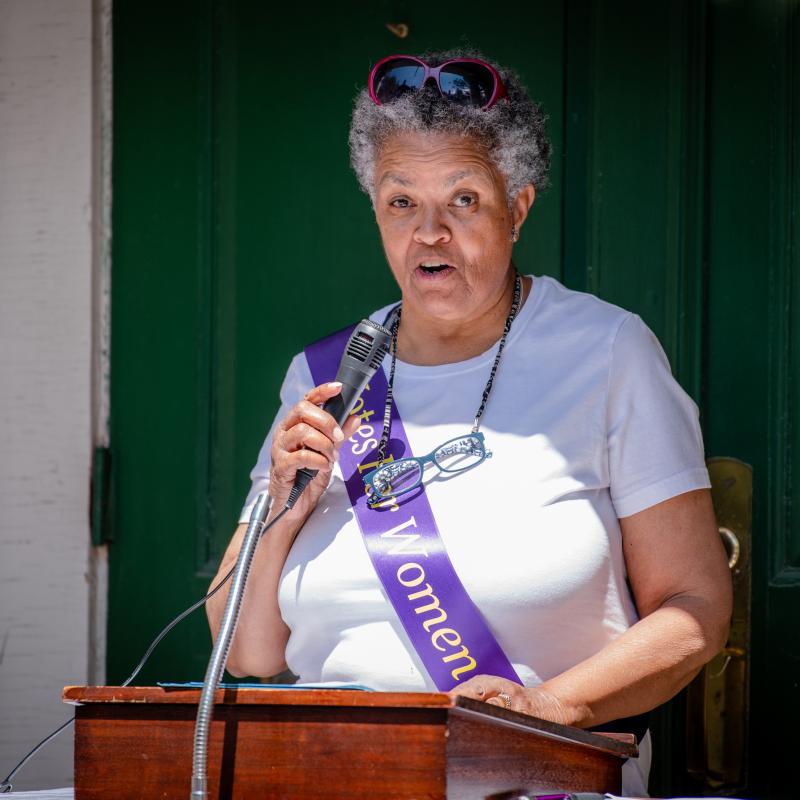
column 307, row 437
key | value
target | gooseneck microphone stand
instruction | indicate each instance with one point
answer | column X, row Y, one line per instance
column 219, row 655
column 362, row 357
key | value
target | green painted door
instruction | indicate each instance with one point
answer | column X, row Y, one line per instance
column 239, row 234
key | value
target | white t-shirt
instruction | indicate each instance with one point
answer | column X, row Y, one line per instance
column 585, row 423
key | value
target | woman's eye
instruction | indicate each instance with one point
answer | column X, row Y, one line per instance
column 461, row 201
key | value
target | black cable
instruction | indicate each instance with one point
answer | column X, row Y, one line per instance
column 182, row 616
column 5, row 786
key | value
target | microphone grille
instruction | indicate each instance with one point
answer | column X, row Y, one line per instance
column 369, row 343
column 360, row 345
column 377, row 357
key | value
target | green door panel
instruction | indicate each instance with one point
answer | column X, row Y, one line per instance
column 752, row 368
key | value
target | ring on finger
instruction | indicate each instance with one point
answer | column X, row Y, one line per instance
column 505, row 698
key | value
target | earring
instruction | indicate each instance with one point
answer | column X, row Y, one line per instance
column 514, row 234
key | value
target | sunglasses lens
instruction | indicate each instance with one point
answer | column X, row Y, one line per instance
column 467, row 84
column 397, row 77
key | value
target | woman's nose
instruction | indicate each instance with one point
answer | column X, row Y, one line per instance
column 431, row 229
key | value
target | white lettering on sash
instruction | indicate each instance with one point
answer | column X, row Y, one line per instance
column 402, row 542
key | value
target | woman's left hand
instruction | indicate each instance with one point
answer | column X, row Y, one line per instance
column 507, row 694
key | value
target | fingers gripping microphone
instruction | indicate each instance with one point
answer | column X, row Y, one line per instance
column 362, row 358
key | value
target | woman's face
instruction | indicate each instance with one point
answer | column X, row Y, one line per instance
column 440, row 200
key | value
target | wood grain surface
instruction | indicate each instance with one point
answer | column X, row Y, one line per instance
column 137, row 742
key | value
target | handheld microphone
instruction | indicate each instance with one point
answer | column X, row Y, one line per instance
column 362, row 358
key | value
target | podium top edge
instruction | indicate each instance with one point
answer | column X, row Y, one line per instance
column 348, row 698
column 79, row 695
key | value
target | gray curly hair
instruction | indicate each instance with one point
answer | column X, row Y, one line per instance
column 512, row 131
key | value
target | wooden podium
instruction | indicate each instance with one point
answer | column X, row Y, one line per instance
column 136, row 742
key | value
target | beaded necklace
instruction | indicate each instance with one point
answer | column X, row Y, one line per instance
column 387, row 415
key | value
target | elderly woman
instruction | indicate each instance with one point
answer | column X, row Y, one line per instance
column 586, row 543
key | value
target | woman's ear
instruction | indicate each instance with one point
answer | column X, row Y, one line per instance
column 522, row 204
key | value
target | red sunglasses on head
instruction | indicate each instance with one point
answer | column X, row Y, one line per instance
column 465, row 81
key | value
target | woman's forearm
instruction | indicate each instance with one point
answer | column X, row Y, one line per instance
column 259, row 644
column 644, row 667
column 308, row 437
column 681, row 583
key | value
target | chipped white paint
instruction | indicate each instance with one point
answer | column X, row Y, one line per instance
column 101, row 218
column 47, row 373
column 101, row 308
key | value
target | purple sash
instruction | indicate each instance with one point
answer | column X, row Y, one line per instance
column 444, row 625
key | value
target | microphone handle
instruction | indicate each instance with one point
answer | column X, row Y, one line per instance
column 339, row 407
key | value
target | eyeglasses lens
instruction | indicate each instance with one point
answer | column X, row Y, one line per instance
column 397, row 477
column 467, row 84
column 396, row 78
column 460, row 454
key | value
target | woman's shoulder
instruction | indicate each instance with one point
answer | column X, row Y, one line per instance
column 580, row 306
column 565, row 312
column 588, row 327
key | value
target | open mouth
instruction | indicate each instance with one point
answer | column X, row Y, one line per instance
column 434, row 270
column 431, row 270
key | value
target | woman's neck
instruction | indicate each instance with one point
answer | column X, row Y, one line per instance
column 426, row 341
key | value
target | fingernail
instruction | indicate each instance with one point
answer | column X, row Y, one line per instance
column 335, row 385
column 338, row 436
column 480, row 690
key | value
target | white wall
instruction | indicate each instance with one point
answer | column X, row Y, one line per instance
column 46, row 274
